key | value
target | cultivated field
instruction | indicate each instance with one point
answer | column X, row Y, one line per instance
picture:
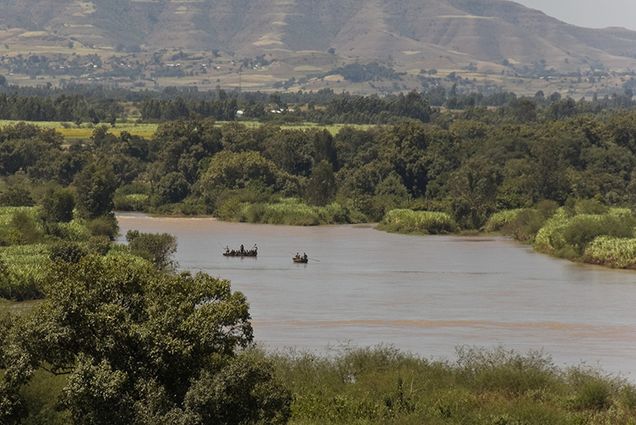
column 71, row 131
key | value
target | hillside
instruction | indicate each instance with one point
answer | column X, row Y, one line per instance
column 410, row 35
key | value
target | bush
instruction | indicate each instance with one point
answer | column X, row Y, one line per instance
column 16, row 196
column 570, row 236
column 104, row 226
column 132, row 202
column 498, row 220
column 68, row 252
column 24, row 229
column 289, row 211
column 75, row 231
column 172, row 188
column 583, row 229
column 613, row 252
column 592, row 392
column 156, row 248
column 58, row 206
column 426, row 222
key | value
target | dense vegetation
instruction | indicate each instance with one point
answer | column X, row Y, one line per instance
column 465, row 166
column 96, row 104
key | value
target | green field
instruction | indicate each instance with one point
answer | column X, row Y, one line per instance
column 71, row 131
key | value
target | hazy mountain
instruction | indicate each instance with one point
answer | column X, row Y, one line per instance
column 408, row 33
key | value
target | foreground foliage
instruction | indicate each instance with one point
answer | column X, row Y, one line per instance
column 137, row 346
column 384, row 386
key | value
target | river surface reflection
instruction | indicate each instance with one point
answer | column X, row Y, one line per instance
column 426, row 295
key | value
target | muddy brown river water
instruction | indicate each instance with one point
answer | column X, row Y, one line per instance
column 425, row 295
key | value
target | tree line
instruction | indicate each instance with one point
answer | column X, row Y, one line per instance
column 468, row 165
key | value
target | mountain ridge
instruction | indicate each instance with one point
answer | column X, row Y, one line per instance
column 489, row 36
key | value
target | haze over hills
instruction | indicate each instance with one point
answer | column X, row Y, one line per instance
column 410, row 35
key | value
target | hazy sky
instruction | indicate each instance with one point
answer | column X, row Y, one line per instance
column 589, row 13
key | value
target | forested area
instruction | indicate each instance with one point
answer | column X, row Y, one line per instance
column 467, row 165
column 77, row 104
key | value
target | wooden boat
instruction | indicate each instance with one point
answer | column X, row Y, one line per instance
column 238, row 254
column 300, row 260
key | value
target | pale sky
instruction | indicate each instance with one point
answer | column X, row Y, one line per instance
column 589, row 13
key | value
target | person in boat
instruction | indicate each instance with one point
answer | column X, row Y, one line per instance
column 255, row 250
column 242, row 249
column 305, row 258
column 227, row 250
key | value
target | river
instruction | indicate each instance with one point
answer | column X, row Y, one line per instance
column 425, row 295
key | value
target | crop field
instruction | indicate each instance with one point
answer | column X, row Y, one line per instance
column 71, row 131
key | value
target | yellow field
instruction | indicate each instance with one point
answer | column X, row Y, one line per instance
column 72, row 132
column 147, row 130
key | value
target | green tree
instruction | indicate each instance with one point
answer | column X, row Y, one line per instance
column 172, row 188
column 321, row 188
column 141, row 347
column 156, row 248
column 58, row 206
column 95, row 191
column 474, row 190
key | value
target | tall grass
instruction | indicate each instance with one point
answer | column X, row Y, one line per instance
column 499, row 220
column 424, row 222
column 24, row 269
column 613, row 252
column 384, row 386
column 289, row 211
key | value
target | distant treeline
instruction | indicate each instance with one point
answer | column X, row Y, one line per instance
column 102, row 104
column 73, row 108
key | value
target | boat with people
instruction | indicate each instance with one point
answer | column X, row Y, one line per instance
column 241, row 252
column 301, row 259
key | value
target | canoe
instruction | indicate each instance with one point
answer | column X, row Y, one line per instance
column 300, row 260
column 239, row 255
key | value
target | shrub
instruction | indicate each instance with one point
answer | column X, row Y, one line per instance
column 613, row 252
column 74, row 231
column 290, row 212
column 104, row 226
column 156, row 248
column 58, row 206
column 99, row 245
column 592, row 391
column 68, row 252
column 16, row 196
column 131, row 202
column 498, row 220
column 427, row 222
column 172, row 188
column 526, row 225
column 24, row 229
column 583, row 229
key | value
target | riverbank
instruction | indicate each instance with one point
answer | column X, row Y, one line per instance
column 384, row 386
column 586, row 232
column 589, row 233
